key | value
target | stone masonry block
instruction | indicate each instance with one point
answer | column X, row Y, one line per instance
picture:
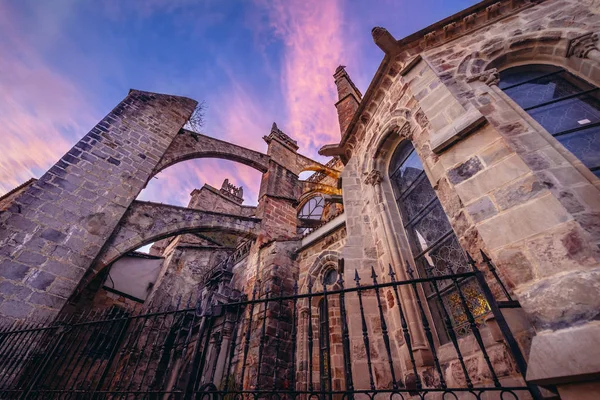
column 491, row 178
column 519, row 192
column 47, row 300
column 465, row 170
column 39, row 280
column 521, row 222
column 482, row 209
column 12, row 270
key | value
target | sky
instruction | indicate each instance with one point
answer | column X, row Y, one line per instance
column 64, row 64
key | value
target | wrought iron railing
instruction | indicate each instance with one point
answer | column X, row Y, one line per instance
column 279, row 343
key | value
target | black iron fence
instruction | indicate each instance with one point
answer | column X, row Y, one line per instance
column 357, row 339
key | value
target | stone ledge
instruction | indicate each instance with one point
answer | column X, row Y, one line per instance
column 458, row 129
column 578, row 350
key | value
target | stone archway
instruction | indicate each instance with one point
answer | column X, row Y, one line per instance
column 188, row 145
column 147, row 222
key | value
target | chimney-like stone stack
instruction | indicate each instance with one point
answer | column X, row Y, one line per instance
column 349, row 98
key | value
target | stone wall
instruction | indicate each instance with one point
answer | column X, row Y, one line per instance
column 53, row 231
column 507, row 186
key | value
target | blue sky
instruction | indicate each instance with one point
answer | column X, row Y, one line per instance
column 65, row 63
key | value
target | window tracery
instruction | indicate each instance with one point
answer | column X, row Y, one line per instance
column 312, row 209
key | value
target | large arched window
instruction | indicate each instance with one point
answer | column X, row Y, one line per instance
column 566, row 106
column 434, row 245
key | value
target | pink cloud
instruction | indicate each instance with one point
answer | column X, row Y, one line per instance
column 312, row 33
column 37, row 106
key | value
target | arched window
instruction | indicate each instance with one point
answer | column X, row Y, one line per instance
column 434, row 245
column 312, row 209
column 566, row 106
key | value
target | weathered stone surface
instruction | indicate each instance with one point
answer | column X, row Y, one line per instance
column 521, row 222
column 40, row 280
column 491, row 178
column 519, row 192
column 465, row 170
column 513, row 264
column 482, row 209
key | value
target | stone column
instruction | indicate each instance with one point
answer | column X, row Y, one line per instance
column 272, row 266
column 52, row 232
column 413, row 318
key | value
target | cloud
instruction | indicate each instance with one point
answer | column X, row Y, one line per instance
column 314, row 45
column 38, row 110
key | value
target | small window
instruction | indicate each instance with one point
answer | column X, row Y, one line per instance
column 566, row 106
column 330, row 277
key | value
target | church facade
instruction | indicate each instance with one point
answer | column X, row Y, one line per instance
column 448, row 249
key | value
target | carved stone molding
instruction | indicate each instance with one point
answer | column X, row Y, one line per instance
column 374, row 178
column 489, row 77
column 582, row 46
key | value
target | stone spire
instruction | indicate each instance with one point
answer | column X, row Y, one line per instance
column 278, row 135
column 349, row 97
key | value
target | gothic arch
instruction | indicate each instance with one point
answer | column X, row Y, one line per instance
column 395, row 129
column 189, row 145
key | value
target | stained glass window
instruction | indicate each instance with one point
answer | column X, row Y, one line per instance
column 434, row 245
column 566, row 106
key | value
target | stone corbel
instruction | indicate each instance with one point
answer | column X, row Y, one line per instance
column 374, row 178
column 469, row 20
column 430, row 38
column 585, row 46
column 493, row 10
column 489, row 77
column 449, row 29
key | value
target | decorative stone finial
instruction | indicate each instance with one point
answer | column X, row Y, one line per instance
column 278, row 134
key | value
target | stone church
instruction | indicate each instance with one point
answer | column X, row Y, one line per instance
column 448, row 249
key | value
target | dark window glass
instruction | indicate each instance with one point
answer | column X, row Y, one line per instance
column 312, row 209
column 323, row 338
column 330, row 277
column 566, row 106
column 434, row 245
